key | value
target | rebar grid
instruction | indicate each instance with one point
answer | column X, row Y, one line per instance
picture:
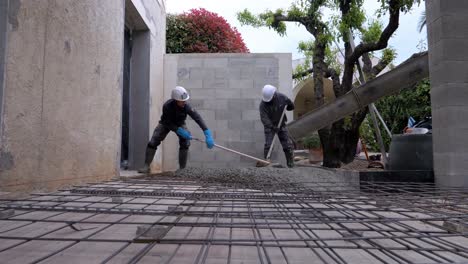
column 312, row 222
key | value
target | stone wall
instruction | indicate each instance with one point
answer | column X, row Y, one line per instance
column 226, row 91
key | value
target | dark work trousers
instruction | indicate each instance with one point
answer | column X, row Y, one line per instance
column 283, row 136
column 159, row 134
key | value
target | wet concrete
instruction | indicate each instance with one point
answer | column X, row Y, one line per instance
column 268, row 178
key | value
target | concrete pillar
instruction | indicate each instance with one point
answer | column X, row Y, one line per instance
column 447, row 27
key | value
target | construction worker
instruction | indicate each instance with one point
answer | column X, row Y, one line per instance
column 175, row 111
column 271, row 109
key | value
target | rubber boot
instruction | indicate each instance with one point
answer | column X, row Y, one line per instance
column 183, row 155
column 149, row 155
column 289, row 158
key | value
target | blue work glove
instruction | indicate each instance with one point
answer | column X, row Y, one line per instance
column 184, row 133
column 209, row 139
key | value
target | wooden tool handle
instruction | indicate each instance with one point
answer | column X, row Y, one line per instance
column 234, row 151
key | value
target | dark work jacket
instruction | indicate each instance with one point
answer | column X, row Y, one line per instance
column 270, row 113
column 174, row 116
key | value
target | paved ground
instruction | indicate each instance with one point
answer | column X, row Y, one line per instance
column 306, row 216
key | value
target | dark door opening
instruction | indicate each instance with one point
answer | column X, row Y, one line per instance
column 135, row 98
column 124, row 157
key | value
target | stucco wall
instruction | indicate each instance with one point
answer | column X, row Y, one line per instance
column 226, row 91
column 304, row 96
column 63, row 90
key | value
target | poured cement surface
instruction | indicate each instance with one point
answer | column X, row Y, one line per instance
column 267, row 178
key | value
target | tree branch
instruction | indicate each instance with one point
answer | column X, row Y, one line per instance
column 309, row 23
column 331, row 73
column 283, row 18
column 379, row 67
column 367, row 68
column 361, row 49
column 303, row 74
column 358, row 117
column 382, row 43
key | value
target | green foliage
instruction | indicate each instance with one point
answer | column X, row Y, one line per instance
column 296, row 12
column 355, row 17
column 307, row 49
column 372, row 32
column 312, row 142
column 388, row 55
column 347, row 122
column 247, row 18
column 404, row 5
column 366, row 132
column 176, row 34
column 202, row 31
column 342, row 24
column 266, row 18
column 422, row 45
column 278, row 26
column 396, row 109
column 331, row 55
column 422, row 21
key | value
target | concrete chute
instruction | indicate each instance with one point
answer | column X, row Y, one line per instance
column 406, row 75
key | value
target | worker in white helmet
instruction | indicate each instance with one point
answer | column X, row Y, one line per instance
column 175, row 111
column 271, row 109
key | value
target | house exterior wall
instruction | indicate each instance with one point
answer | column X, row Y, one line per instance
column 61, row 120
column 226, row 91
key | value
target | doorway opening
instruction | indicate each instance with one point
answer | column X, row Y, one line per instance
column 125, row 100
column 136, row 90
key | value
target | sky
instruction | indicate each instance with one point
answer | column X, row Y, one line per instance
column 262, row 40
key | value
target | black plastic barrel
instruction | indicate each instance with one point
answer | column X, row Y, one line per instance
column 411, row 152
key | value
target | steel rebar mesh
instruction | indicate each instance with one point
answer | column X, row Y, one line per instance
column 275, row 222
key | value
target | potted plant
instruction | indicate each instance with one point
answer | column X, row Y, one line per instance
column 312, row 143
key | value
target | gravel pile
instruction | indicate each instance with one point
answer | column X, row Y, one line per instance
column 252, row 178
column 269, row 179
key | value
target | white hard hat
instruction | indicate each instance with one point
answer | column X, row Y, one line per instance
column 268, row 92
column 180, row 94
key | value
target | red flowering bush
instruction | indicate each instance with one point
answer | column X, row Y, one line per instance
column 201, row 31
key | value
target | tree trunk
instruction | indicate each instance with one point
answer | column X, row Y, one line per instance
column 352, row 136
column 339, row 141
column 319, row 72
column 350, row 139
column 332, row 144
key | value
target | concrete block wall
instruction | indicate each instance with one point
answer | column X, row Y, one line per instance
column 447, row 28
column 226, row 90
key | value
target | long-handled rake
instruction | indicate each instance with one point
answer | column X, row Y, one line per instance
column 236, row 152
column 262, row 164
